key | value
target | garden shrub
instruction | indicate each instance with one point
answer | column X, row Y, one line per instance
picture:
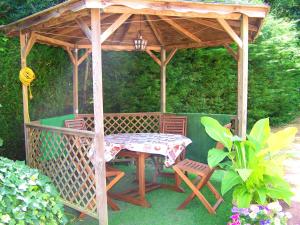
column 27, row 196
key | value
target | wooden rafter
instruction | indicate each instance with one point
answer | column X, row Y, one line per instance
column 181, row 29
column 231, row 51
column 231, row 32
column 154, row 57
column 114, row 27
column 54, row 41
column 85, row 28
column 207, row 23
column 155, row 31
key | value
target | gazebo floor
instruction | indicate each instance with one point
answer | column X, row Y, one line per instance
column 163, row 210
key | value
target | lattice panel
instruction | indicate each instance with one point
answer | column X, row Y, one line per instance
column 62, row 155
column 115, row 123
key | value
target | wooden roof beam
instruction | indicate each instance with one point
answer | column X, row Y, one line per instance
column 181, row 29
column 155, row 31
column 54, row 41
column 85, row 28
column 109, row 31
column 231, row 32
column 149, row 11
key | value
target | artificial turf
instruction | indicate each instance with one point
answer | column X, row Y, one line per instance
column 163, row 210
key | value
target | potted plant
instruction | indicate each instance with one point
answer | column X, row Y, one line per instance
column 253, row 167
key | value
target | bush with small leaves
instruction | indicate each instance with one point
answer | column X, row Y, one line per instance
column 27, row 196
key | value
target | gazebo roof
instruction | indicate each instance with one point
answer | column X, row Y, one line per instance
column 172, row 24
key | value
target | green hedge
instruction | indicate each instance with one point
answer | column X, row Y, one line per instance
column 52, row 91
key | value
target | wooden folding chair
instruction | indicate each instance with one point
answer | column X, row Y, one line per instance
column 170, row 124
column 203, row 173
column 113, row 175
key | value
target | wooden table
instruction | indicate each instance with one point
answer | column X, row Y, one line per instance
column 141, row 146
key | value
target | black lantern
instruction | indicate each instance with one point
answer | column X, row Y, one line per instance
column 140, row 44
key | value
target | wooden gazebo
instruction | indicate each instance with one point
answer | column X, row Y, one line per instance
column 113, row 25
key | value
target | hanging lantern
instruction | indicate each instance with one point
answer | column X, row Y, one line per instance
column 140, row 44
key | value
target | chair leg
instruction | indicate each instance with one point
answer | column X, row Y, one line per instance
column 195, row 190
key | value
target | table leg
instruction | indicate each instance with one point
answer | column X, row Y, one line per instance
column 141, row 175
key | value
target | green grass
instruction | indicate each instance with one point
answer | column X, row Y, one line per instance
column 163, row 210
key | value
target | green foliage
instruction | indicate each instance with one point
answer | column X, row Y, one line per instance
column 51, row 91
column 27, row 196
column 255, row 169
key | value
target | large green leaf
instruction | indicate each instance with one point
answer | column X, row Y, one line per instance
column 260, row 133
column 262, row 195
column 217, row 132
column 244, row 173
column 279, row 140
column 1, row 142
column 215, row 156
column 230, row 179
column 243, row 200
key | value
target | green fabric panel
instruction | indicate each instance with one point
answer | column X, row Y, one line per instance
column 57, row 121
column 50, row 150
column 201, row 141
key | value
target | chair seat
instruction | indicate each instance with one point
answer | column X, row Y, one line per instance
column 194, row 167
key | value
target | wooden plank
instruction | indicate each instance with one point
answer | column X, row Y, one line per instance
column 170, row 56
column 157, row 60
column 85, row 28
column 207, row 23
column 231, row 51
column 123, row 9
column 75, row 82
column 109, row 31
column 119, row 47
column 163, row 80
column 54, row 41
column 231, row 32
column 155, row 31
column 85, row 55
column 181, row 29
column 243, row 79
column 98, row 156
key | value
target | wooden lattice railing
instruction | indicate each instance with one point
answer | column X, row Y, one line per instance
column 115, row 123
column 62, row 155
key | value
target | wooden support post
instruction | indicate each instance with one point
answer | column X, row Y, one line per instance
column 26, row 45
column 98, row 156
column 243, row 78
column 23, row 44
column 163, row 79
column 75, row 82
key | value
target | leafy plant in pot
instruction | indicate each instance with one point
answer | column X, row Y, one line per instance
column 254, row 166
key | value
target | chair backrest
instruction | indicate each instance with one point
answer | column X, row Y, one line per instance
column 173, row 124
column 219, row 145
column 77, row 124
